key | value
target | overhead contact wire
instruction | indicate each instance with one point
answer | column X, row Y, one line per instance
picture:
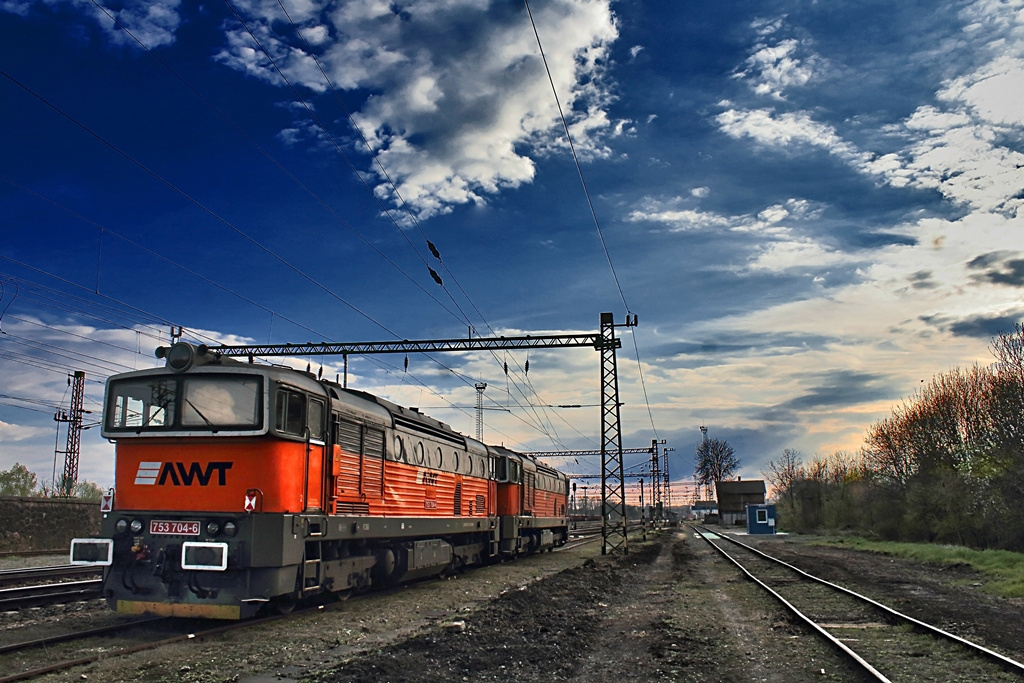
column 590, row 203
column 575, row 158
column 273, row 160
column 380, row 165
column 210, row 212
column 337, row 147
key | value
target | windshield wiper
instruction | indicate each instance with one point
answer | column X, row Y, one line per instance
column 193, row 405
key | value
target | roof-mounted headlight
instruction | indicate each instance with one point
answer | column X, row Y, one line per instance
column 180, row 356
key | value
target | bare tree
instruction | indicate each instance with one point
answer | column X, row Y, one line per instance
column 783, row 472
column 716, row 460
column 1008, row 348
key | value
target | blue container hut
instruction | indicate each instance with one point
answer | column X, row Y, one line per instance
column 760, row 519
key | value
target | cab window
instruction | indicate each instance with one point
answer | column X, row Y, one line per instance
column 316, row 418
column 291, row 412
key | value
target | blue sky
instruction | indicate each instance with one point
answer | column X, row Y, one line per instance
column 810, row 206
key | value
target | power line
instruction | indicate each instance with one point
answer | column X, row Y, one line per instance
column 590, row 204
column 575, row 158
column 330, row 137
column 387, row 176
column 195, row 202
column 272, row 159
column 323, row 128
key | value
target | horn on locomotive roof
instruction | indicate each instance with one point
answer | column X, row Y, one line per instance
column 181, row 356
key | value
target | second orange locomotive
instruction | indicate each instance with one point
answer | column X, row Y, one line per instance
column 241, row 486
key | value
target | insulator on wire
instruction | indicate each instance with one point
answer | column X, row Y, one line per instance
column 506, row 367
column 407, row 363
column 527, row 367
column 307, row 367
column 437, row 278
column 320, row 373
column 433, row 250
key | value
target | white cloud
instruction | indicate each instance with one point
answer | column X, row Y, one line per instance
column 777, row 245
column 994, row 93
column 19, row 7
column 796, row 254
column 153, row 22
column 11, row 433
column 772, row 69
column 964, row 149
column 459, row 93
column 769, row 128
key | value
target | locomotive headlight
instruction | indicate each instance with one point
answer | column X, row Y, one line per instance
column 180, row 357
column 121, row 526
column 136, row 526
column 212, row 528
column 230, row 528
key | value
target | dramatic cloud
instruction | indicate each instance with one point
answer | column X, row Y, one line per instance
column 457, row 90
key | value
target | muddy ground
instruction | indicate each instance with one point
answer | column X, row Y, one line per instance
column 668, row 611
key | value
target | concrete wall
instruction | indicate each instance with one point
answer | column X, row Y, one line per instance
column 45, row 523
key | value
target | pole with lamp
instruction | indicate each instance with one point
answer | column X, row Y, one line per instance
column 643, row 523
column 575, row 512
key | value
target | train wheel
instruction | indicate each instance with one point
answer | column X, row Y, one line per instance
column 284, row 605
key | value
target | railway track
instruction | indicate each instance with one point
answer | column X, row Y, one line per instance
column 9, row 577
column 34, row 658
column 49, row 594
column 886, row 644
column 66, row 651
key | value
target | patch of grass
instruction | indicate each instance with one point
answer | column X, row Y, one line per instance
column 1002, row 571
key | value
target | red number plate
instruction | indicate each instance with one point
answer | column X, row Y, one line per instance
column 168, row 528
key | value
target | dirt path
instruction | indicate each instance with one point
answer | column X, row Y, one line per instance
column 669, row 611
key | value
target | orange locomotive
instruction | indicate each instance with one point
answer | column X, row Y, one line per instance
column 241, row 486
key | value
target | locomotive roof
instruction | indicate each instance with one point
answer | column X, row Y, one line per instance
column 396, row 415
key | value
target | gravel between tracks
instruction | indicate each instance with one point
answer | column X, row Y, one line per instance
column 667, row 611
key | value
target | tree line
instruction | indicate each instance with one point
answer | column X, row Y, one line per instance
column 20, row 481
column 947, row 466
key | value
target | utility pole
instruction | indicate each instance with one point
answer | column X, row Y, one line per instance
column 73, row 417
column 656, row 516
column 480, row 386
column 643, row 517
column 668, row 481
column 703, row 442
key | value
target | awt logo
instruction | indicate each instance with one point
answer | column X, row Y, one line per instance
column 177, row 474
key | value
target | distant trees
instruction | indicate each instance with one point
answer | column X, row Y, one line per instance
column 946, row 466
column 715, row 461
column 87, row 490
column 824, row 492
column 18, row 481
